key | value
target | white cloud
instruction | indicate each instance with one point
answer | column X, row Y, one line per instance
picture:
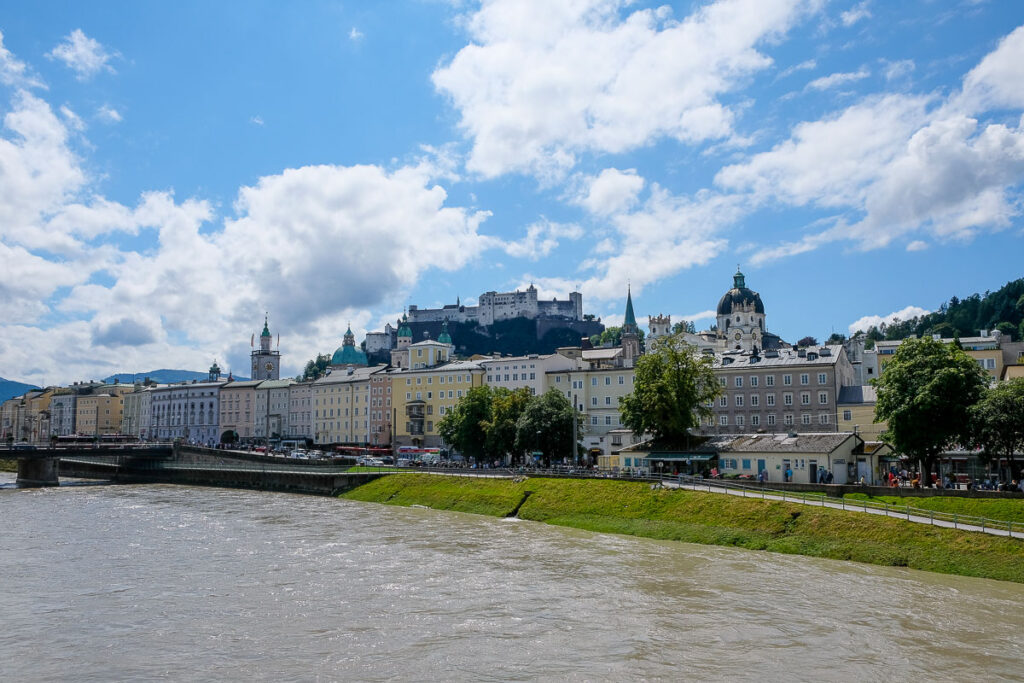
column 355, row 35
column 995, row 82
column 109, row 114
column 837, row 79
column 542, row 238
column 611, row 191
column 14, row 71
column 898, row 69
column 256, row 120
column 876, row 320
column 856, row 13
column 38, row 172
column 543, row 82
column 802, row 66
column 917, row 245
column 83, row 55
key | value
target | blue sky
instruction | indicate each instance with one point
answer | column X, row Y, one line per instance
column 170, row 172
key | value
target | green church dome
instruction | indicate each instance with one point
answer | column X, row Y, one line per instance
column 349, row 355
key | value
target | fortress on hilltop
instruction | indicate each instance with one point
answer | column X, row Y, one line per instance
column 493, row 307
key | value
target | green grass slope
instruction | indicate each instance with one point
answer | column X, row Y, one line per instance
column 634, row 508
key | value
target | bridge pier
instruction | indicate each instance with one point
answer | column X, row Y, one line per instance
column 34, row 472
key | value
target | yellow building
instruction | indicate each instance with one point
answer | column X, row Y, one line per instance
column 855, row 412
column 421, row 397
column 342, row 406
column 99, row 414
column 596, row 392
column 984, row 350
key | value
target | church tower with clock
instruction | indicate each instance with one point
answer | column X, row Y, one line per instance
column 266, row 364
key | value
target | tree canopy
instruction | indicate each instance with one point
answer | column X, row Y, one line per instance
column 316, row 368
column 925, row 395
column 807, row 341
column 489, row 423
column 546, row 426
column 673, row 390
column 612, row 336
column 998, row 420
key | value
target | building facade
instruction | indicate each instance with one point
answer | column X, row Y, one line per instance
column 272, row 407
column 341, row 406
column 530, row 371
column 792, row 390
column 300, row 411
column 238, row 411
column 188, row 411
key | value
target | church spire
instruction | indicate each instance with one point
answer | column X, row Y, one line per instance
column 629, row 323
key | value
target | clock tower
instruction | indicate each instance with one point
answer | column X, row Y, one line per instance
column 266, row 364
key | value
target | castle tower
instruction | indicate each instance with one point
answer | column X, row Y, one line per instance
column 660, row 326
column 214, row 372
column 266, row 364
column 630, row 333
column 400, row 354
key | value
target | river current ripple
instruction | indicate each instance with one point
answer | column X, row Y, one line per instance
column 101, row 583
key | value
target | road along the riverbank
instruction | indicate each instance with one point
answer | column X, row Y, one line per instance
column 637, row 509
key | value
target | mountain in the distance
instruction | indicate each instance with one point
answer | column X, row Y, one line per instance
column 162, row 376
column 9, row 388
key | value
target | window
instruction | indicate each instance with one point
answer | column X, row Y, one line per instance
column 739, row 381
column 593, row 420
column 753, row 380
column 755, row 420
column 754, row 400
column 787, row 399
column 739, row 400
column 608, row 380
column 787, row 379
column 723, row 401
column 746, row 463
column 607, row 400
column 593, row 402
column 771, row 419
column 805, row 398
column 607, row 419
column 805, row 378
column 805, row 419
column 769, row 380
column 770, row 399
column 622, row 380
column 739, row 420
column 822, row 378
column 823, row 419
column 788, row 419
column 990, row 363
column 593, row 383
column 823, row 398
column 722, row 420
column 721, row 381
column 847, row 415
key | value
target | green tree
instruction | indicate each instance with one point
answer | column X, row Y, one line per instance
column 807, row 341
column 836, row 338
column 546, row 426
column 926, row 394
column 684, row 326
column 612, row 336
column 501, row 430
column 673, row 389
column 998, row 421
column 315, row 369
column 465, row 425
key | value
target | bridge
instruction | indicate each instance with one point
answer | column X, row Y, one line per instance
column 181, row 464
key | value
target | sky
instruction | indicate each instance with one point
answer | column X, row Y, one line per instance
column 172, row 172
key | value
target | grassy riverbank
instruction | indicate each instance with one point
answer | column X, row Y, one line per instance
column 1004, row 509
column 633, row 508
column 8, row 465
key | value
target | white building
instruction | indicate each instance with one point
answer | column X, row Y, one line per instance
column 271, row 409
column 300, row 410
column 517, row 372
column 494, row 306
column 188, row 411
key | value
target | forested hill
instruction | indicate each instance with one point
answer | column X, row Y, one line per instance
column 1001, row 310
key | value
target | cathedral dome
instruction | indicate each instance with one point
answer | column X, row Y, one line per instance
column 347, row 353
column 740, row 297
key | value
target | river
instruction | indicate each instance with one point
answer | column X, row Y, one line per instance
column 104, row 583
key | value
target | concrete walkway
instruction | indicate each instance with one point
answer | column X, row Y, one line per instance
column 846, row 505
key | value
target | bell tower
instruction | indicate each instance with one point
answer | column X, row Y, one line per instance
column 266, row 363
